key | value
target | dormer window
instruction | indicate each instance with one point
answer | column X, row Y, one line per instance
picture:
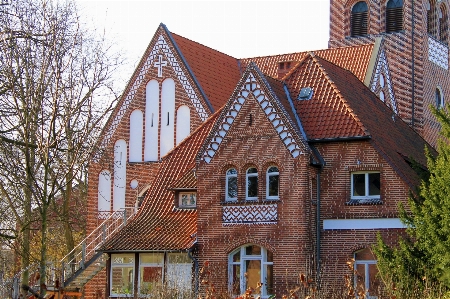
column 394, row 16
column 187, row 199
column 359, row 19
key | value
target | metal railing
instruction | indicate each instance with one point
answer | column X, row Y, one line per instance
column 83, row 252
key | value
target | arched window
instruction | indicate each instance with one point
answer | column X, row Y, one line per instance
column 183, row 123
column 136, row 135
column 365, row 270
column 359, row 19
column 248, row 266
column 252, row 184
column 439, row 97
column 120, row 174
column 151, row 121
column 167, row 116
column 431, row 18
column 104, row 191
column 231, row 185
column 272, row 183
column 394, row 16
column 443, row 24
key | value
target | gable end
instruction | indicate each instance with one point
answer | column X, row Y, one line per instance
column 252, row 87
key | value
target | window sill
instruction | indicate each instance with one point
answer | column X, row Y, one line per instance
column 185, row 208
column 250, row 202
column 364, row 201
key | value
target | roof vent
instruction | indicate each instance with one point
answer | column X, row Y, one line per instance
column 306, row 93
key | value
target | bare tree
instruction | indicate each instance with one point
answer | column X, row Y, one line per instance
column 56, row 90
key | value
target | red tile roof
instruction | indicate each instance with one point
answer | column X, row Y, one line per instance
column 216, row 72
column 342, row 106
column 159, row 225
column 355, row 59
column 327, row 114
column 187, row 181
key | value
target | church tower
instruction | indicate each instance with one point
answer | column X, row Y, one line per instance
column 414, row 35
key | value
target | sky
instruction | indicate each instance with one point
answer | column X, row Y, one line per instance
column 245, row 28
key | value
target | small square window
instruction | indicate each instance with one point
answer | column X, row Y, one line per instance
column 187, row 199
column 365, row 185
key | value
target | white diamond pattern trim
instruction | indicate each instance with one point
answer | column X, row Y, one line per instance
column 382, row 66
column 160, row 46
column 251, row 86
column 437, row 53
column 250, row 214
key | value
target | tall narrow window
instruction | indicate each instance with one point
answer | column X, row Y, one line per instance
column 359, row 19
column 248, row 266
column 272, row 183
column 136, row 135
column 252, row 184
column 439, row 98
column 151, row 121
column 120, row 174
column 179, row 271
column 431, row 18
column 104, row 192
column 167, row 111
column 443, row 24
column 122, row 275
column 231, row 185
column 394, row 16
column 150, row 271
column 183, row 123
column 365, row 270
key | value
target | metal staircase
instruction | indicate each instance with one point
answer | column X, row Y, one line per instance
column 84, row 262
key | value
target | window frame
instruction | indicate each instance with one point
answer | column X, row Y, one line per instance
column 391, row 11
column 122, row 265
column 268, row 175
column 154, row 265
column 359, row 31
column 247, row 177
column 441, row 102
column 243, row 257
column 227, row 177
column 366, row 185
column 367, row 282
column 180, row 198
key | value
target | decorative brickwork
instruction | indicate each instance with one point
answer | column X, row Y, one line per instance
column 250, row 214
column 437, row 53
column 252, row 87
column 160, row 47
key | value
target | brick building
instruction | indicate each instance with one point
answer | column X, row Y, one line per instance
column 269, row 167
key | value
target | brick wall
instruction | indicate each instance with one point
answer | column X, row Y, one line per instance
column 144, row 172
column 427, row 75
column 338, row 246
column 257, row 145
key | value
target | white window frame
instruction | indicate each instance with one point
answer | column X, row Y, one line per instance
column 243, row 258
column 227, row 176
column 122, row 265
column 268, row 175
column 441, row 103
column 142, row 265
column 366, row 264
column 366, row 183
column 180, row 196
column 247, row 177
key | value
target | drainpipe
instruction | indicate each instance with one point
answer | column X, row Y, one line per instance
column 195, row 270
column 320, row 164
column 413, row 71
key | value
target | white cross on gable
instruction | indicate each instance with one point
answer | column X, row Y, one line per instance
column 159, row 64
